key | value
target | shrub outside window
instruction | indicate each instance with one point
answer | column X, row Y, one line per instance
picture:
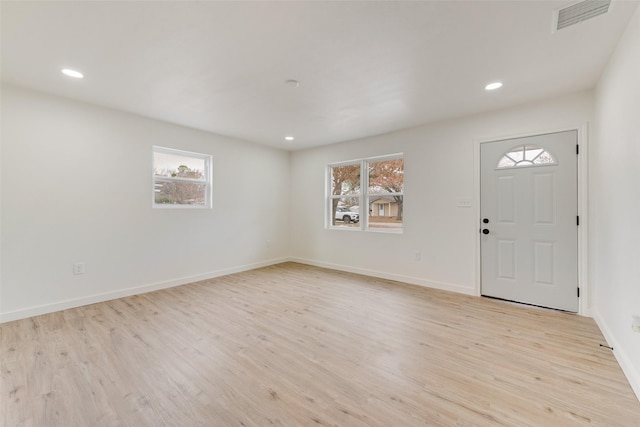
column 181, row 179
column 379, row 207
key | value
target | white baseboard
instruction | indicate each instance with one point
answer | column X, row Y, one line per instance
column 587, row 312
column 629, row 370
column 136, row 290
column 389, row 276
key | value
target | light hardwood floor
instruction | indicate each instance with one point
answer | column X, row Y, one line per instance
column 294, row 345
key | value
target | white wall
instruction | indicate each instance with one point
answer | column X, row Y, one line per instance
column 76, row 187
column 439, row 168
column 615, row 202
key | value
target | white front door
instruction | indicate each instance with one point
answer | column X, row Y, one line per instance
column 528, row 208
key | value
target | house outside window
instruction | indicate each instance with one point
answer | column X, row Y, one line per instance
column 385, row 193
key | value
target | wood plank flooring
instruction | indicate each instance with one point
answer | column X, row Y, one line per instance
column 294, row 345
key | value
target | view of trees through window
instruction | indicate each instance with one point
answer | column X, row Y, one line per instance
column 385, row 195
column 180, row 178
column 345, row 182
column 381, row 206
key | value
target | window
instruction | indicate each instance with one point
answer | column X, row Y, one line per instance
column 345, row 197
column 181, row 179
column 379, row 207
column 526, row 155
column 385, row 193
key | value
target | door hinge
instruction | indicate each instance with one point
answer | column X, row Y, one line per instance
column 578, row 292
column 578, row 220
column 577, row 149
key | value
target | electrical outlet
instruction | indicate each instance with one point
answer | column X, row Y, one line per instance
column 635, row 323
column 78, row 268
column 463, row 202
column 416, row 256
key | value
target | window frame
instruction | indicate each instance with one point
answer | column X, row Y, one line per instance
column 207, row 180
column 364, row 196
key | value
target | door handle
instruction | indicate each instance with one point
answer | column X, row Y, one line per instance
column 485, row 231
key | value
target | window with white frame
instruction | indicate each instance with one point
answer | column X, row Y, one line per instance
column 345, row 196
column 385, row 193
column 371, row 201
column 181, row 179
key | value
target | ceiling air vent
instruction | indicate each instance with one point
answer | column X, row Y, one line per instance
column 579, row 12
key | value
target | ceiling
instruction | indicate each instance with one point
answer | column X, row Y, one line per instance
column 364, row 67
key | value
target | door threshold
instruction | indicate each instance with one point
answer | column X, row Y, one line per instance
column 529, row 304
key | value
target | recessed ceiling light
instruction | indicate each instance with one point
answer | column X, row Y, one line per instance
column 288, row 138
column 292, row 83
column 493, row 86
column 72, row 73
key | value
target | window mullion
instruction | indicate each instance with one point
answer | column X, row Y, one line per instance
column 364, row 195
column 179, row 179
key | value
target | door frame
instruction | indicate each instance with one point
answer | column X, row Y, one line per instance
column 584, row 302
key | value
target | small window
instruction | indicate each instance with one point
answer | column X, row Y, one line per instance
column 526, row 155
column 181, row 179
